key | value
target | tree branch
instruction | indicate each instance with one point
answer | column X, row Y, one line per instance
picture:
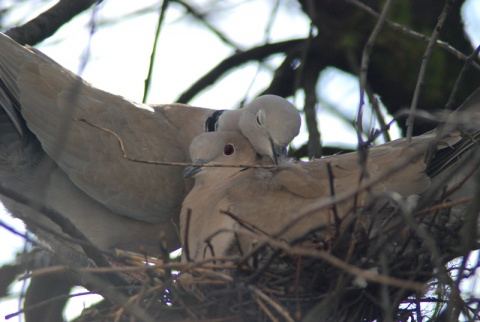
column 47, row 23
column 257, row 53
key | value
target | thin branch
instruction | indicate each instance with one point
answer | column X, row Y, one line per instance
column 423, row 67
column 148, row 80
column 201, row 17
column 274, row 304
column 236, row 60
column 46, row 302
column 345, row 195
column 47, row 23
column 64, row 223
column 15, row 232
column 335, row 261
column 413, row 34
column 378, row 113
column 362, row 147
column 367, row 50
column 186, row 245
column 175, row 164
column 468, row 63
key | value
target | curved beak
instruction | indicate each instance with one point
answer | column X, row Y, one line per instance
column 279, row 152
column 192, row 170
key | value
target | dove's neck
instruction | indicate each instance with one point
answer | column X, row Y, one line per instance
column 228, row 121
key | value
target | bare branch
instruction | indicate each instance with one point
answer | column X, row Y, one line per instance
column 412, row 33
column 423, row 67
column 148, row 80
column 47, row 23
column 236, row 60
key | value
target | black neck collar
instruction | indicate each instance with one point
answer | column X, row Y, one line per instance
column 211, row 124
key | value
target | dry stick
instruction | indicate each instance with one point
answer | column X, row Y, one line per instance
column 15, row 232
column 367, row 50
column 64, row 223
column 362, row 149
column 186, row 247
column 265, row 309
column 272, row 16
column 445, row 205
column 106, row 286
column 310, row 80
column 108, row 291
column 337, row 262
column 201, row 17
column 177, row 164
column 260, row 63
column 274, row 304
column 384, row 127
column 461, row 76
column 48, row 22
column 257, row 53
column 305, row 79
column 331, row 179
column 385, row 298
column 423, row 67
column 148, row 80
column 415, row 35
column 364, row 185
column 293, row 250
column 46, row 302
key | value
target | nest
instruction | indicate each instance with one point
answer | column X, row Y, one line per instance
column 387, row 261
column 348, row 277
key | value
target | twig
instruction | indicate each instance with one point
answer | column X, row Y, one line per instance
column 257, row 53
column 309, row 83
column 444, row 205
column 15, row 232
column 365, row 62
column 64, row 223
column 201, row 17
column 47, row 23
column 468, row 63
column 177, row 164
column 378, row 112
column 46, row 302
column 345, row 195
column 186, row 246
column 353, row 270
column 148, row 80
column 423, row 67
column 331, row 179
column 265, row 309
column 362, row 148
column 413, row 34
column 274, row 304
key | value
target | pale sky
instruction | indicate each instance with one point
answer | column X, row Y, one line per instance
column 120, row 55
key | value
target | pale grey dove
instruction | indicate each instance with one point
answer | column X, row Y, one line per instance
column 269, row 200
column 114, row 201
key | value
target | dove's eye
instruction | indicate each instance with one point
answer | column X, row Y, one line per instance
column 260, row 118
column 229, row 149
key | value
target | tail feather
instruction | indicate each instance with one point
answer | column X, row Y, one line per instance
column 449, row 156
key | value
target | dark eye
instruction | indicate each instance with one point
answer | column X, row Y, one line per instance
column 260, row 118
column 229, row 149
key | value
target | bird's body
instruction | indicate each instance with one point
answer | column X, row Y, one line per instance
column 51, row 114
column 320, row 197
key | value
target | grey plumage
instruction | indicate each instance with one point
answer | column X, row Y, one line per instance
column 269, row 201
column 52, row 116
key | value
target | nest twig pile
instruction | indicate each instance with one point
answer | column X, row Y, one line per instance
column 395, row 276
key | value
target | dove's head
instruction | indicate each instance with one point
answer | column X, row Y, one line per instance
column 224, row 148
column 270, row 123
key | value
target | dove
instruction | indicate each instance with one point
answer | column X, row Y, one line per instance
column 320, row 197
column 101, row 148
